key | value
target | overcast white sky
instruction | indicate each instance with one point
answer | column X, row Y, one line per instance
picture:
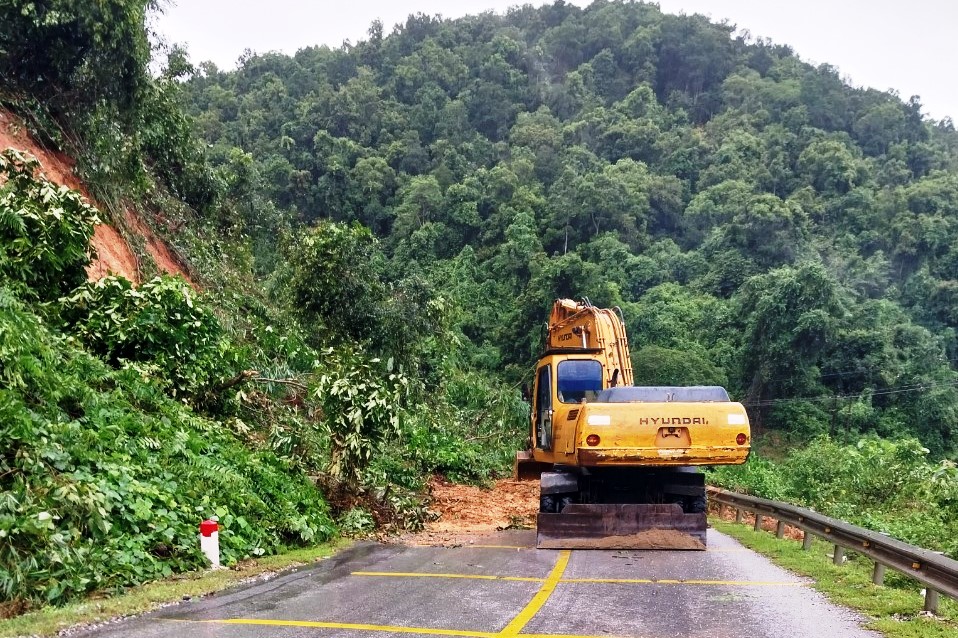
column 887, row 44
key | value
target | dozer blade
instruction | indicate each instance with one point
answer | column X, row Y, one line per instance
column 527, row 468
column 621, row 527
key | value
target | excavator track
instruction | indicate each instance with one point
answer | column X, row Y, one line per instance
column 621, row 526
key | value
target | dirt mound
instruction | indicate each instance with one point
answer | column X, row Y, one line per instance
column 466, row 510
column 467, row 513
column 113, row 253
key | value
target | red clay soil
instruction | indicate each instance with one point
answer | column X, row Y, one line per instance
column 57, row 167
column 467, row 510
column 162, row 256
column 113, row 254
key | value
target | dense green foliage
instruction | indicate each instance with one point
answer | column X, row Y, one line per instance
column 128, row 414
column 82, row 71
column 761, row 223
column 882, row 485
column 105, row 478
column 380, row 230
column 44, row 230
column 160, row 323
column 104, row 474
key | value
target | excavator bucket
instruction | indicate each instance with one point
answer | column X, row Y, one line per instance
column 624, row 526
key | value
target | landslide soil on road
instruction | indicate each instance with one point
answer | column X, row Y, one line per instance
column 113, row 253
column 467, row 511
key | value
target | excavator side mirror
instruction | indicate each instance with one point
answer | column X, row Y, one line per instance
column 615, row 378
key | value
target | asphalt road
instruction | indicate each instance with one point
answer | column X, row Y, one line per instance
column 500, row 587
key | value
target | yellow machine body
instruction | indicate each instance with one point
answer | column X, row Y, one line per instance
column 618, row 461
column 635, row 433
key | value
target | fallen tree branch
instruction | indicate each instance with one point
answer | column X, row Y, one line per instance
column 242, row 377
column 295, row 383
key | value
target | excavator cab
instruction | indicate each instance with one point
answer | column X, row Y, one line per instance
column 578, row 380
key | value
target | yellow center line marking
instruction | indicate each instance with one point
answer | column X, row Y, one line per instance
column 442, row 575
column 470, row 546
column 688, row 581
column 530, row 610
column 367, row 627
column 626, row 581
column 356, row 626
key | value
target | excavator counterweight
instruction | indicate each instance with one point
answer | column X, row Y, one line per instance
column 618, row 464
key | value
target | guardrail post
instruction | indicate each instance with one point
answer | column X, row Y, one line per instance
column 838, row 556
column 758, row 522
column 931, row 600
column 807, row 539
column 780, row 530
column 738, row 516
column 878, row 574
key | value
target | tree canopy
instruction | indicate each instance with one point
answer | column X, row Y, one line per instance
column 758, row 219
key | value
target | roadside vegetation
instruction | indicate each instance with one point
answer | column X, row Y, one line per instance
column 374, row 235
column 104, row 607
column 893, row 487
column 894, row 609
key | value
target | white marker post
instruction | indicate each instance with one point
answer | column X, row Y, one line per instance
column 210, row 541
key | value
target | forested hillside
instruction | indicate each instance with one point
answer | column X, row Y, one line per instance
column 316, row 404
column 762, row 224
column 374, row 235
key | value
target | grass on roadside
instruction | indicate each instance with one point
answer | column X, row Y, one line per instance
column 98, row 608
column 893, row 609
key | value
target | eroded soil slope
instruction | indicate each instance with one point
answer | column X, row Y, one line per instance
column 112, row 252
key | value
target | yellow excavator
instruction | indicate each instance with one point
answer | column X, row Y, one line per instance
column 618, row 464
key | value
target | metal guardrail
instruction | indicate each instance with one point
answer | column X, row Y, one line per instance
column 938, row 573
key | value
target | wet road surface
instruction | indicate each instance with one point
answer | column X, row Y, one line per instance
column 499, row 586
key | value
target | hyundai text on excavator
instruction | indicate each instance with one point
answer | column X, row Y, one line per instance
column 618, row 464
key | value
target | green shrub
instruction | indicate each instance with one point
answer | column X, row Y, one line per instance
column 361, row 399
column 470, row 432
column 889, row 486
column 45, row 230
column 162, row 323
column 759, row 477
column 104, row 478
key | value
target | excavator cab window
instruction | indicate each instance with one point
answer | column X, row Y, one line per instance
column 543, row 408
column 579, row 379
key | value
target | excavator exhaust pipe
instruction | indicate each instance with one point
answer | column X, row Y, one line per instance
column 621, row 526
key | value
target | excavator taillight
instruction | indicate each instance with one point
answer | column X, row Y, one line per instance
column 592, row 439
column 741, row 438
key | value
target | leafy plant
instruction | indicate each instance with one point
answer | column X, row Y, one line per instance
column 45, row 229
column 888, row 486
column 361, row 399
column 105, row 478
column 162, row 323
column 356, row 522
